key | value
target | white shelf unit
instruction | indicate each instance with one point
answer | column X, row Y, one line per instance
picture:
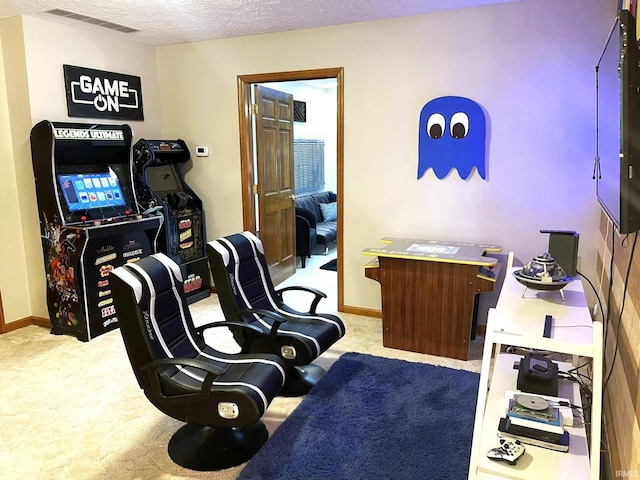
column 518, row 320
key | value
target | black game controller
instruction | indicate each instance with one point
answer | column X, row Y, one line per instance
column 509, row 451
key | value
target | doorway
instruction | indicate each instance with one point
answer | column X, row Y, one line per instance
column 247, row 148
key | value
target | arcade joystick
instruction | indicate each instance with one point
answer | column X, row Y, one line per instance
column 127, row 213
column 83, row 218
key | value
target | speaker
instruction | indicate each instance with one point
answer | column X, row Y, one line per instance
column 563, row 247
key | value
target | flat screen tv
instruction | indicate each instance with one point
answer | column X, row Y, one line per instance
column 618, row 126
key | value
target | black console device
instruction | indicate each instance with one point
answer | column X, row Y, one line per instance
column 563, row 247
column 537, row 374
column 547, row 326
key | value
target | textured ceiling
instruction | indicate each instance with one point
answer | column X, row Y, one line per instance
column 165, row 22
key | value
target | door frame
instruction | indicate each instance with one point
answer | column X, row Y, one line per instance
column 246, row 148
column 2, row 324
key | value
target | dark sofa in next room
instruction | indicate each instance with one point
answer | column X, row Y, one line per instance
column 316, row 223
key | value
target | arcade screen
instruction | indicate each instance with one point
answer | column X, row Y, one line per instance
column 163, row 178
column 87, row 191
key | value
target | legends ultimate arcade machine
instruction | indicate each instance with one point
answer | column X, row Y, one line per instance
column 158, row 176
column 89, row 220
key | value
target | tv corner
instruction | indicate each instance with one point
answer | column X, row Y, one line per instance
column 617, row 169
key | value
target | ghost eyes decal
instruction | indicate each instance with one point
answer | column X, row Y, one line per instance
column 459, row 125
column 452, row 135
column 435, row 125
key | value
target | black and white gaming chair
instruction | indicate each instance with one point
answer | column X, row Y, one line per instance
column 246, row 293
column 221, row 396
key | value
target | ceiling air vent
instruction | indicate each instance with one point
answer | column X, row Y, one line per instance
column 91, row 20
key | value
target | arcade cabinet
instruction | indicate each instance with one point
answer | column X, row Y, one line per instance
column 89, row 221
column 158, row 177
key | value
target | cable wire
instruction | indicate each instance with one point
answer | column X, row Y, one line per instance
column 594, row 291
column 624, row 299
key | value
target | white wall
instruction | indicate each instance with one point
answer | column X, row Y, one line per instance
column 13, row 270
column 49, row 45
column 530, row 64
column 36, row 49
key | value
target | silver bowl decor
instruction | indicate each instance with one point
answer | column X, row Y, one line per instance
column 543, row 273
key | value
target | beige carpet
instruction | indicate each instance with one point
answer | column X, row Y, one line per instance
column 73, row 410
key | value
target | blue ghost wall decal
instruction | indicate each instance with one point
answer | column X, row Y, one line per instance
column 452, row 135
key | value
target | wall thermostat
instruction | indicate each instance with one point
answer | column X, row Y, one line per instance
column 202, row 151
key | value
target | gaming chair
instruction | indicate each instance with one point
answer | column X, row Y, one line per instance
column 221, row 396
column 247, row 294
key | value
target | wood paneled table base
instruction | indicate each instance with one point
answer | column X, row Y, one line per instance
column 428, row 290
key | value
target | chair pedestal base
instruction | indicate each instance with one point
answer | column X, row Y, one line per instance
column 301, row 379
column 203, row 448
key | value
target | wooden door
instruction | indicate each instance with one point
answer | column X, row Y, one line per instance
column 276, row 208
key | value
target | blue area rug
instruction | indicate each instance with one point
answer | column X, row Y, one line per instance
column 375, row 418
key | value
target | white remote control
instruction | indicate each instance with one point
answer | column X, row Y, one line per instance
column 509, row 451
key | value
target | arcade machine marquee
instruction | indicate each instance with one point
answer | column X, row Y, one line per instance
column 158, row 177
column 89, row 220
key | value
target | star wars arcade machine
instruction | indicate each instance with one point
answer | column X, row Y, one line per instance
column 89, row 221
column 158, row 176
